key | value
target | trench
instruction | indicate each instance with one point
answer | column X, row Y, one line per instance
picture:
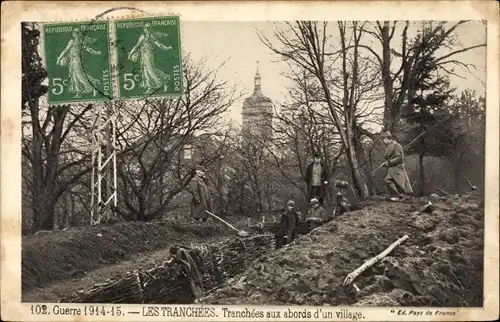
column 188, row 273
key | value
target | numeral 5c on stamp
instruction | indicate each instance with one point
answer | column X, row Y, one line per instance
column 148, row 57
column 78, row 62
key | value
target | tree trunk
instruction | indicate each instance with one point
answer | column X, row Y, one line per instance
column 141, row 213
column 242, row 198
column 43, row 207
column 422, row 176
column 370, row 169
column 457, row 172
column 258, row 193
column 269, row 207
column 39, row 198
column 69, row 219
column 45, row 168
column 389, row 113
column 357, row 178
column 65, row 212
column 48, row 213
column 348, row 143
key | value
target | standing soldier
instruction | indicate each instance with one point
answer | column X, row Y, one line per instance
column 316, row 179
column 396, row 180
column 201, row 201
column 288, row 225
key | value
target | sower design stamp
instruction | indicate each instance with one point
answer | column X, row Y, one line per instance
column 77, row 62
column 148, row 57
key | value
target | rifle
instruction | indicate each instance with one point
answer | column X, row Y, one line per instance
column 380, row 166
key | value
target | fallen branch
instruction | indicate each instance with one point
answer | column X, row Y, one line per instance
column 369, row 263
column 470, row 184
column 442, row 191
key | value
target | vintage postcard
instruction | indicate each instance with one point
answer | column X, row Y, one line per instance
column 250, row 161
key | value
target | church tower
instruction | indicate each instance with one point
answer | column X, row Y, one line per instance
column 257, row 114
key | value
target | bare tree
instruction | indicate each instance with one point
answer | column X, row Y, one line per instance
column 47, row 135
column 344, row 78
column 299, row 131
column 154, row 133
column 261, row 183
column 442, row 43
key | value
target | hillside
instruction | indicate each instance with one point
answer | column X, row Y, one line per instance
column 441, row 264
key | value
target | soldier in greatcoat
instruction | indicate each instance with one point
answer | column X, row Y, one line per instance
column 396, row 180
column 201, row 200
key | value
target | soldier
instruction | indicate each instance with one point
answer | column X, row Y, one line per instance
column 201, row 200
column 396, row 180
column 317, row 215
column 288, row 225
column 316, row 179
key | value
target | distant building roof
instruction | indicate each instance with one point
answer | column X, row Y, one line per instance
column 257, row 95
column 256, row 98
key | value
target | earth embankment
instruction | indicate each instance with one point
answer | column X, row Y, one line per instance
column 72, row 254
column 441, row 264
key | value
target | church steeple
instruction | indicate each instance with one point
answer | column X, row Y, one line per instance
column 257, row 79
column 257, row 113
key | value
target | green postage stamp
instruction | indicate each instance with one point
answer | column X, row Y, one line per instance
column 78, row 62
column 148, row 57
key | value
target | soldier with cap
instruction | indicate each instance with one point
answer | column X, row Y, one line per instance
column 317, row 215
column 396, row 180
column 201, row 200
column 288, row 225
column 316, row 179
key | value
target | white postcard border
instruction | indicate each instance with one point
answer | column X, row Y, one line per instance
column 15, row 12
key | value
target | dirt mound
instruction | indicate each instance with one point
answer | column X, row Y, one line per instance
column 441, row 264
column 70, row 254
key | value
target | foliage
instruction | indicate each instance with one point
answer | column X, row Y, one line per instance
column 428, row 107
column 468, row 112
column 255, row 181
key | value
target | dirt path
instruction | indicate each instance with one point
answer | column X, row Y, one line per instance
column 52, row 293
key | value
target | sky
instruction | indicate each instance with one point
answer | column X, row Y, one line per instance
column 238, row 44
